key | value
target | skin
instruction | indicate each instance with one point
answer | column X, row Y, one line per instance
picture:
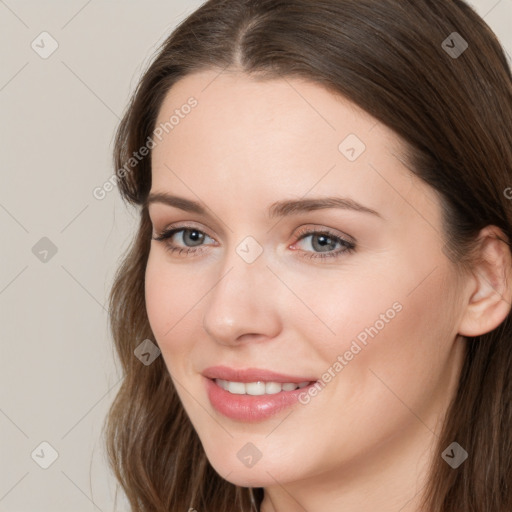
column 365, row 441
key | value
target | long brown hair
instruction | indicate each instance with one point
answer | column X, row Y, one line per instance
column 454, row 111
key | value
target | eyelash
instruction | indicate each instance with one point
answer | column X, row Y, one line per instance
column 349, row 246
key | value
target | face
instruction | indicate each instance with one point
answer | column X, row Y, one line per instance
column 266, row 288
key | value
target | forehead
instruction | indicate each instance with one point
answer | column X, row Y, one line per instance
column 278, row 138
column 285, row 113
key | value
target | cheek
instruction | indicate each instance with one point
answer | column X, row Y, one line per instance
column 169, row 301
column 385, row 324
column 156, row 295
column 344, row 309
column 403, row 354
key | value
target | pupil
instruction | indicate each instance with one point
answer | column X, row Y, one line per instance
column 323, row 241
column 194, row 235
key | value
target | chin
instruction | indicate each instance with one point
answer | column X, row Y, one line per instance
column 262, row 474
column 248, row 477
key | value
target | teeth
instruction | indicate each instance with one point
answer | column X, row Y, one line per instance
column 258, row 388
column 271, row 388
column 237, row 388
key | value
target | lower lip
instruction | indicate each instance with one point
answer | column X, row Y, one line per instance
column 251, row 408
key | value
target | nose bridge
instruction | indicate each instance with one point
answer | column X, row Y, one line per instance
column 240, row 301
column 241, row 278
column 244, row 267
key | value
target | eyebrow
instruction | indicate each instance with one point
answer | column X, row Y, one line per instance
column 277, row 209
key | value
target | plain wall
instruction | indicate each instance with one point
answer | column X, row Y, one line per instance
column 58, row 374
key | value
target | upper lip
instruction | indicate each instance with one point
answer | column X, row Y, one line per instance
column 252, row 375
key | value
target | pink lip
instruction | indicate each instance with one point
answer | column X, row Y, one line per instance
column 253, row 375
column 250, row 408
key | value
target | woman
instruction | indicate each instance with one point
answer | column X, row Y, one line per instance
column 323, row 261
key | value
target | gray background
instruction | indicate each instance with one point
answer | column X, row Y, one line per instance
column 58, row 114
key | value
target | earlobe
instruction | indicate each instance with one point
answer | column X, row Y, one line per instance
column 490, row 294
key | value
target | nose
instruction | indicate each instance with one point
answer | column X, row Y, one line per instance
column 243, row 304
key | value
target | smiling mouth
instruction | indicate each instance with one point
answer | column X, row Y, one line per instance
column 259, row 388
column 253, row 395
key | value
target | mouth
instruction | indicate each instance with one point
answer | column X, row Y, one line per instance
column 254, row 394
column 259, row 388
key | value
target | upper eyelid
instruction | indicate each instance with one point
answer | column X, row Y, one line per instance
column 179, row 228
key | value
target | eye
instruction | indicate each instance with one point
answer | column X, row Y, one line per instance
column 192, row 239
column 190, row 236
column 323, row 241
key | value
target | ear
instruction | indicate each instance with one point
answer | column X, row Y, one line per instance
column 490, row 290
